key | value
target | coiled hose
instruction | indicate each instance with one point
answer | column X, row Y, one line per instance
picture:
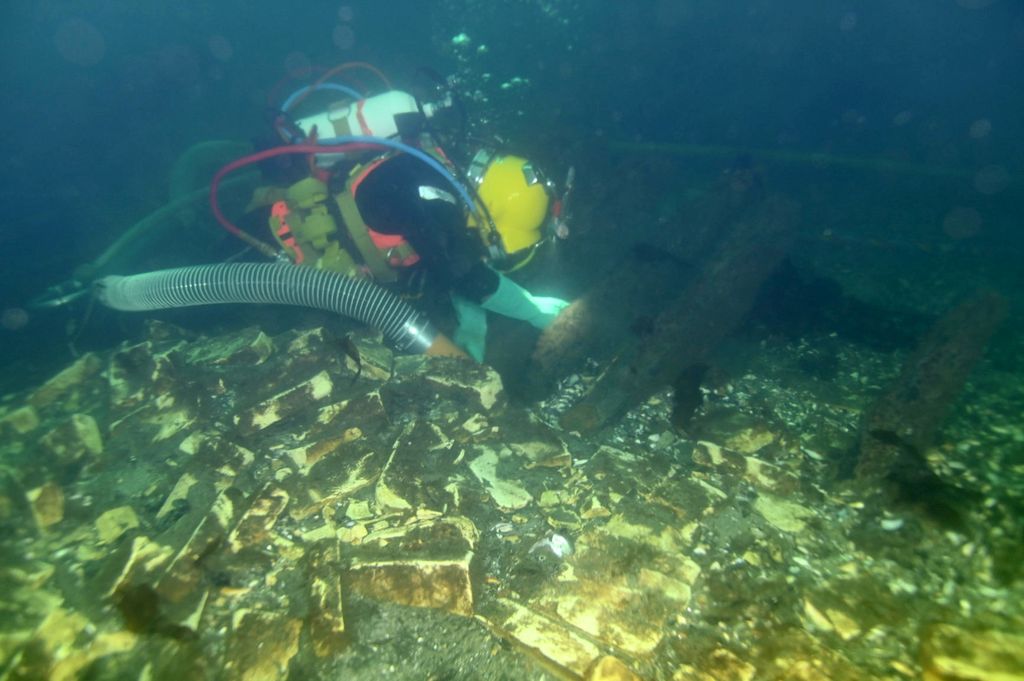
column 277, row 283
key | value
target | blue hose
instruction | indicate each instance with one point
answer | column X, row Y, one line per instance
column 354, row 94
column 426, row 158
column 272, row 283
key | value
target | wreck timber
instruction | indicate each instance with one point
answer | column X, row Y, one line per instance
column 691, row 327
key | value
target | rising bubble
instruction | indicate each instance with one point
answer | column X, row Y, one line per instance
column 902, row 118
column 14, row 318
column 991, row 179
column 980, row 128
column 220, row 48
column 80, row 42
column 961, row 223
column 344, row 37
column 297, row 65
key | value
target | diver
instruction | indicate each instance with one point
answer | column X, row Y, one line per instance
column 403, row 215
column 377, row 208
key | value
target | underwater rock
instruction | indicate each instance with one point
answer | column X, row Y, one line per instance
column 14, row 502
column 832, row 620
column 64, row 645
column 182, row 588
column 507, row 494
column 260, row 645
column 326, row 617
column 47, row 504
column 538, row 635
column 285, row 403
column 785, row 515
column 629, row 577
column 114, row 523
column 64, row 384
column 22, row 420
column 143, row 372
column 367, row 355
column 131, row 562
column 414, row 478
column 230, row 548
column 954, row 653
column 719, row 664
column 425, row 563
column 608, row 668
column 442, row 389
column 248, row 347
column 73, row 440
column 756, row 472
column 254, row 527
column 736, row 431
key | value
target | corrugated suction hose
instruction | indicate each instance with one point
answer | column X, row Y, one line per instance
column 282, row 284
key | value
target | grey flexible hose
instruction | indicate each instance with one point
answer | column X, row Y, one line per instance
column 278, row 283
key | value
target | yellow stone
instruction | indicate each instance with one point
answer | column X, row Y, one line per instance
column 719, row 665
column 387, row 499
column 86, row 365
column 611, row 611
column 475, row 424
column 272, row 410
column 507, row 494
column 441, row 584
column 845, row 626
column 541, row 637
column 60, row 629
column 750, row 440
column 22, row 420
column 551, row 497
column 352, row 535
column 190, row 445
column 358, row 510
column 608, row 668
column 787, row 516
column 261, row 646
column 171, row 423
column 594, row 510
column 179, row 492
column 70, row 667
column 951, row 653
column 47, row 504
column 818, row 620
column 115, row 522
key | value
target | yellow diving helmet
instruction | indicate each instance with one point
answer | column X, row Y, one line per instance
column 516, row 202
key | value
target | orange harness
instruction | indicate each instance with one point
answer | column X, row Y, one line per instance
column 279, row 212
column 391, row 244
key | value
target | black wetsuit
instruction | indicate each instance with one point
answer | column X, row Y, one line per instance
column 391, row 201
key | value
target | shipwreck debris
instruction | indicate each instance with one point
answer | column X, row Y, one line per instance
column 903, row 422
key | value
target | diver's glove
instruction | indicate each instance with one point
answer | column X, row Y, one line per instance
column 512, row 300
column 471, row 333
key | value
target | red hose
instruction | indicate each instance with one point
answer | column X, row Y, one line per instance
column 262, row 156
column 348, row 66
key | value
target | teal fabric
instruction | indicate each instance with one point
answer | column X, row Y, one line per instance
column 512, row 300
column 471, row 334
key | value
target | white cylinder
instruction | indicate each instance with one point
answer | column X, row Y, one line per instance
column 374, row 116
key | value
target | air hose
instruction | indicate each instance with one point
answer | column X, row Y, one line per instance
column 277, row 283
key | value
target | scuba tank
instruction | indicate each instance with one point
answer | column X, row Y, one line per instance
column 375, row 116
